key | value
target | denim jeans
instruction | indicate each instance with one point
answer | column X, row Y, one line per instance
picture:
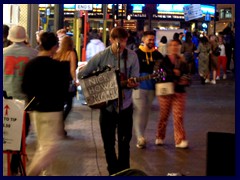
column 110, row 124
column 142, row 100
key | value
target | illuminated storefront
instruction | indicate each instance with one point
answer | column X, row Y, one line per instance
column 164, row 16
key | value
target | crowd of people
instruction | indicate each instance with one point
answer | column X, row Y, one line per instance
column 48, row 79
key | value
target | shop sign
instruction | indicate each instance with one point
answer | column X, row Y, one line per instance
column 192, row 12
column 84, row 7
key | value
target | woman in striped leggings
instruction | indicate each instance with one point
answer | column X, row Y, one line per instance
column 176, row 70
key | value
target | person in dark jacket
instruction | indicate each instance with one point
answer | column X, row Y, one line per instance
column 44, row 85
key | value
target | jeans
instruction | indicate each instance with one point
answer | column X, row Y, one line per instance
column 142, row 100
column 110, row 124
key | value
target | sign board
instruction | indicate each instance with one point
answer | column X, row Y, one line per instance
column 13, row 112
column 84, row 7
column 192, row 12
column 100, row 88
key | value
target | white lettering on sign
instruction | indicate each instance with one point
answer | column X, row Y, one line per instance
column 84, row 7
column 100, row 88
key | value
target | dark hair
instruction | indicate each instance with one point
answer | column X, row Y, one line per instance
column 204, row 39
column 175, row 36
column 5, row 30
column 48, row 40
column 188, row 37
column 118, row 32
column 163, row 40
column 94, row 34
column 146, row 33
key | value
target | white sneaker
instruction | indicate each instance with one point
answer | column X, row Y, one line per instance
column 182, row 144
column 207, row 81
column 213, row 82
column 224, row 76
column 159, row 141
column 217, row 78
column 141, row 143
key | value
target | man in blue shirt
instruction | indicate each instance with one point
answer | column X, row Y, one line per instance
column 111, row 119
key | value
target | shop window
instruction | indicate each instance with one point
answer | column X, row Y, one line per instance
column 226, row 13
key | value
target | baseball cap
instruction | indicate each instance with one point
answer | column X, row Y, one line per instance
column 17, row 34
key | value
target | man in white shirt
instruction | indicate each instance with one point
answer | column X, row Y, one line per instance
column 94, row 46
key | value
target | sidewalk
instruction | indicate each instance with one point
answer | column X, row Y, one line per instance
column 209, row 108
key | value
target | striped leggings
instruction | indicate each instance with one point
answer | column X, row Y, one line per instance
column 176, row 103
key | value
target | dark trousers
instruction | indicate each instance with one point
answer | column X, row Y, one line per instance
column 228, row 55
column 68, row 105
column 110, row 123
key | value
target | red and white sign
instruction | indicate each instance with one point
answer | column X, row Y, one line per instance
column 13, row 112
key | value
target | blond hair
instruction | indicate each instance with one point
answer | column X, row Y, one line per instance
column 65, row 47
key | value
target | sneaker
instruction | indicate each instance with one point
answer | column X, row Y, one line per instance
column 84, row 103
column 224, row 76
column 182, row 144
column 217, row 78
column 44, row 173
column 213, row 82
column 207, row 81
column 159, row 141
column 141, row 143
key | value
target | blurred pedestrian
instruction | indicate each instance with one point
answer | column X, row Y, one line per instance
column 176, row 70
column 61, row 33
column 66, row 55
column 187, row 50
column 6, row 41
column 182, row 37
column 131, row 43
column 94, row 46
column 195, row 40
column 162, row 46
column 228, row 40
column 15, row 58
column 38, row 34
column 176, row 36
column 222, row 59
column 45, row 81
column 203, row 58
column 213, row 60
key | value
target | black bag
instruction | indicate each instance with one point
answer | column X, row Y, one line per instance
column 72, row 87
column 217, row 51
